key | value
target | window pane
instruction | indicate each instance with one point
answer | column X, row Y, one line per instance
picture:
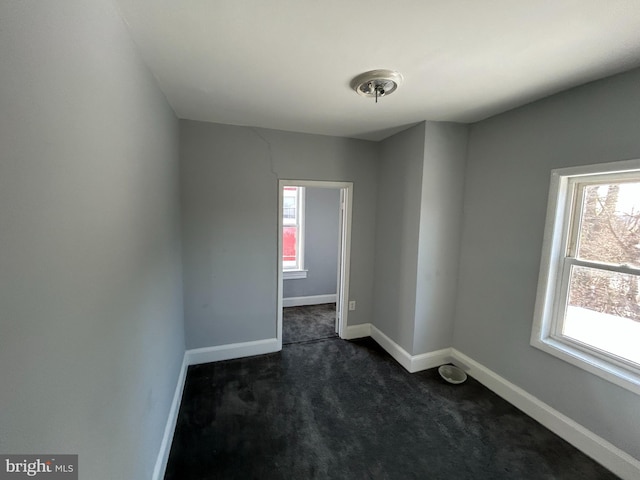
column 289, row 210
column 290, row 205
column 289, row 246
column 610, row 226
column 604, row 311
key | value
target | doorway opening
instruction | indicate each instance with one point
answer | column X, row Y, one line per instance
column 303, row 273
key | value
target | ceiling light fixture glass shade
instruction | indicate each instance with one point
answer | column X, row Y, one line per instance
column 376, row 83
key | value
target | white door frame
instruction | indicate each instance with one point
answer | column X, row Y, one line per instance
column 342, row 297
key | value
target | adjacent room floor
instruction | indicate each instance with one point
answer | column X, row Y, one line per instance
column 340, row 409
column 310, row 322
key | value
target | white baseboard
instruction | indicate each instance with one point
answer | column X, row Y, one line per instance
column 428, row 360
column 232, row 350
column 412, row 363
column 392, row 348
column 169, row 429
column 357, row 331
column 311, row 300
column 603, row 452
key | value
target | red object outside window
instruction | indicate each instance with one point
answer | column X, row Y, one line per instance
column 289, row 242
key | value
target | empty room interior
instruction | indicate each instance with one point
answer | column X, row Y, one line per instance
column 440, row 183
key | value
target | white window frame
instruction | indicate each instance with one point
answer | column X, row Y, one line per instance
column 297, row 270
column 555, row 266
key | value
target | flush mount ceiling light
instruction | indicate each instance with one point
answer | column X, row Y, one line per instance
column 376, row 83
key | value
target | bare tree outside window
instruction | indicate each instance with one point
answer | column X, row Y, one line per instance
column 609, row 233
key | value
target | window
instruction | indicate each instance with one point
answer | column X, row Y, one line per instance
column 293, row 232
column 588, row 304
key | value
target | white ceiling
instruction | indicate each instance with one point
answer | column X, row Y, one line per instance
column 287, row 64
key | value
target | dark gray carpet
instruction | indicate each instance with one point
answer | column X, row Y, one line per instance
column 346, row 410
column 311, row 322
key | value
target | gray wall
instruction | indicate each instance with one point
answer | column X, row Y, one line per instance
column 91, row 334
column 397, row 233
column 229, row 178
column 507, row 183
column 322, row 231
column 421, row 184
column 445, row 155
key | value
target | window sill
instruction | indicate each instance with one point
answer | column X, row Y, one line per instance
column 293, row 274
column 620, row 376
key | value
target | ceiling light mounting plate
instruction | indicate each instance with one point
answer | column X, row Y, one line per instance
column 376, row 83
